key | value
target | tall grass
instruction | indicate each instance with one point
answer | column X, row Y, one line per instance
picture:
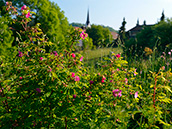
column 93, row 57
column 99, row 53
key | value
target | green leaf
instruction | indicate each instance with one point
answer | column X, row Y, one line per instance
column 54, row 75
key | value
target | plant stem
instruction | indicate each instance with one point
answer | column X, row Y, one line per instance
column 65, row 122
column 154, row 91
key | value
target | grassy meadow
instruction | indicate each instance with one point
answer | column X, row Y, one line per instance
column 99, row 53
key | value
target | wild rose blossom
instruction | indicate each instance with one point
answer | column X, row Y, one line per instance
column 81, row 58
column 73, row 55
column 135, row 72
column 126, row 80
column 55, row 53
column 163, row 67
column 118, row 55
column 73, row 74
column 20, row 54
column 20, row 78
column 120, row 93
column 169, row 53
column 136, row 95
column 116, row 93
column 7, row 3
column 83, row 35
column 74, row 96
column 28, row 15
column 41, row 58
column 77, row 78
column 103, row 79
column 50, row 70
column 23, row 7
column 91, row 82
column 38, row 90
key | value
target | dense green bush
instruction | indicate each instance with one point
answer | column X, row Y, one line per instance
column 101, row 36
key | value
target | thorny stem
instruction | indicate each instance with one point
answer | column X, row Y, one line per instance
column 65, row 122
column 154, row 92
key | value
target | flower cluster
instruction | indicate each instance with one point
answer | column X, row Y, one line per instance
column 24, row 7
column 55, row 53
column 20, row 54
column 103, row 79
column 9, row 7
column 116, row 93
column 83, row 35
column 76, row 78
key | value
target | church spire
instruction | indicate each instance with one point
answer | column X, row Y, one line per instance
column 88, row 20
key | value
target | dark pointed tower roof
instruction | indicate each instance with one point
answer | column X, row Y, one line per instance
column 88, row 20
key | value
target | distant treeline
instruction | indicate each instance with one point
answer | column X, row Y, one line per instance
column 80, row 25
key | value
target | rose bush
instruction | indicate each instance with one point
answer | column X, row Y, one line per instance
column 54, row 90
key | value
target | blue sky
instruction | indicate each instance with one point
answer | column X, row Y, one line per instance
column 111, row 12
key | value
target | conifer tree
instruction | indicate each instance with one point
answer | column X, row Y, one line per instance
column 163, row 16
column 122, row 31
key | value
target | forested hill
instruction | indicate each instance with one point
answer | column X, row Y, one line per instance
column 80, row 24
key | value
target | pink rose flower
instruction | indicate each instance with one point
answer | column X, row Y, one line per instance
column 55, row 53
column 74, row 96
column 23, row 7
column 73, row 55
column 73, row 74
column 81, row 58
column 77, row 78
column 136, row 95
column 119, row 94
column 116, row 93
column 102, row 81
column 41, row 58
column 20, row 54
column 20, row 78
column 118, row 55
column 103, row 78
column 50, row 70
column 91, row 82
column 38, row 90
column 28, row 15
column 126, row 80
